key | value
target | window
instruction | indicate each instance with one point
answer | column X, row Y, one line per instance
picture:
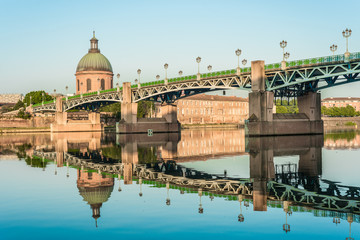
column 88, row 84
column 102, row 84
column 78, row 85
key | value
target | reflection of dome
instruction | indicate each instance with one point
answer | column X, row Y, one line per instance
column 94, row 62
column 94, row 195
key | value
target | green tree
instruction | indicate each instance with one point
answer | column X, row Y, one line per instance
column 18, row 105
column 36, row 97
column 144, row 108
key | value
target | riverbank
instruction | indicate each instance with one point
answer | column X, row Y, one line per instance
column 24, row 130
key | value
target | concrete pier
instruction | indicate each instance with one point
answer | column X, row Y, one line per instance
column 129, row 123
column 263, row 122
column 63, row 124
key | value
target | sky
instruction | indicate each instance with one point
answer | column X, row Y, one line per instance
column 41, row 42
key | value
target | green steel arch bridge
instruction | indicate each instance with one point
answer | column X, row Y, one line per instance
column 296, row 79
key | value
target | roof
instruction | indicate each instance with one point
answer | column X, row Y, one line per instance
column 205, row 97
column 341, row 99
column 94, row 62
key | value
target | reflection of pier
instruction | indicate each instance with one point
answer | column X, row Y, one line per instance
column 265, row 183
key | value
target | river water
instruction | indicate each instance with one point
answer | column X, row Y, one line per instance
column 196, row 185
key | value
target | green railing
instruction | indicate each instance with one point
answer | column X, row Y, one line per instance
column 272, row 66
column 47, row 102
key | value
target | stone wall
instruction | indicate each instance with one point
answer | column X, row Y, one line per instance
column 35, row 122
column 336, row 122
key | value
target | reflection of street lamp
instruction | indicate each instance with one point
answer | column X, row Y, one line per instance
column 333, row 48
column 346, row 34
column 166, row 67
column 238, row 53
column 43, row 164
column 201, row 210
column 241, row 216
column 286, row 226
column 198, row 60
column 67, row 169
column 168, row 198
column 336, row 220
column 55, row 162
column 140, row 193
column 119, row 177
column 350, row 220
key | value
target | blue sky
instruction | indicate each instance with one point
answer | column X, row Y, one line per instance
column 42, row 41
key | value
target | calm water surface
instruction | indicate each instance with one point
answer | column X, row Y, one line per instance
column 202, row 184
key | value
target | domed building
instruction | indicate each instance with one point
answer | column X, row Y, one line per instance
column 94, row 71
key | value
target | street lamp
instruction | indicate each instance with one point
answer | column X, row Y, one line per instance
column 283, row 45
column 180, row 73
column 166, row 67
column 66, row 88
column 43, row 98
column 139, row 72
column 209, row 68
column 333, row 48
column 238, row 53
column 157, row 77
column 346, row 34
column 286, row 55
column 198, row 60
column 118, row 77
column 137, row 83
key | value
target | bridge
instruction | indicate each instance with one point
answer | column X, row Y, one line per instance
column 301, row 79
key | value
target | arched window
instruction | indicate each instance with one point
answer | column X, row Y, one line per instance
column 102, row 84
column 88, row 84
column 78, row 85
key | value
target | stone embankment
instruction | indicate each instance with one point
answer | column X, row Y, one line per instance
column 35, row 124
column 341, row 122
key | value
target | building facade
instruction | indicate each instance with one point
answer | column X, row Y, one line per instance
column 341, row 102
column 94, row 71
column 212, row 109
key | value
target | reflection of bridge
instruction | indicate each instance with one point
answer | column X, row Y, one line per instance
column 302, row 79
column 265, row 183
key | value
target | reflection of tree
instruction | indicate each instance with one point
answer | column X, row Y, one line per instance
column 147, row 155
column 35, row 162
column 348, row 135
column 21, row 150
column 112, row 152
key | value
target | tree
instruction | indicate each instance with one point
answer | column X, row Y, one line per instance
column 145, row 108
column 18, row 105
column 36, row 97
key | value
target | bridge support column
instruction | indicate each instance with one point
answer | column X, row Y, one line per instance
column 63, row 124
column 128, row 108
column 130, row 124
column 263, row 122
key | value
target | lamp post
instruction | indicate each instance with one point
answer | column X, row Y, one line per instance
column 209, row 68
column 67, row 169
column 238, row 53
column 286, row 55
column 350, row 220
column 43, row 98
column 139, row 72
column 198, row 60
column 333, row 48
column 99, row 86
column 137, row 83
column 118, row 77
column 140, row 193
column 286, row 226
column 119, row 177
column 180, row 73
column 283, row 45
column 81, row 87
column 346, row 34
column 66, row 88
column 166, row 67
column 157, row 77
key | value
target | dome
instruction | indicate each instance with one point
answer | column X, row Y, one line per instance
column 94, row 61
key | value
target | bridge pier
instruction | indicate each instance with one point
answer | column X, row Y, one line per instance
column 130, row 124
column 263, row 122
column 63, row 124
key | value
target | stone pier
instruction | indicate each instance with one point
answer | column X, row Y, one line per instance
column 129, row 123
column 63, row 124
column 263, row 122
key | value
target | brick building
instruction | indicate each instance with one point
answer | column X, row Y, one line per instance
column 210, row 109
column 341, row 102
